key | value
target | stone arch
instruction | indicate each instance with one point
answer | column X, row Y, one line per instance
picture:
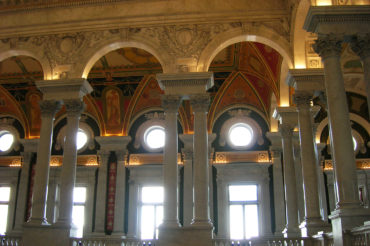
column 236, row 35
column 299, row 34
column 45, row 65
column 94, row 54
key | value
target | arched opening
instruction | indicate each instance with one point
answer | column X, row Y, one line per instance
column 124, row 83
column 17, row 76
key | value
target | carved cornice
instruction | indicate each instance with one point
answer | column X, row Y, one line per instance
column 328, row 45
column 306, row 79
column 361, row 45
column 200, row 102
column 50, row 107
column 323, row 19
column 171, row 103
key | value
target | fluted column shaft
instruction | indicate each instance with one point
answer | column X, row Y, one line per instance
column 278, row 190
column 308, row 159
column 74, row 108
column 329, row 48
column 22, row 191
column 101, row 192
column 200, row 104
column 361, row 46
column 40, row 190
column 290, row 181
column 188, row 186
column 170, row 168
column 119, row 206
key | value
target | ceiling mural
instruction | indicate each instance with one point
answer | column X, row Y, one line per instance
column 124, row 85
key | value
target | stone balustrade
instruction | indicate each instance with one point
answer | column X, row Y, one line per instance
column 101, row 241
column 10, row 241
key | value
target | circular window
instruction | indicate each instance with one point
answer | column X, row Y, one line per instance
column 240, row 135
column 154, row 137
column 81, row 139
column 6, row 141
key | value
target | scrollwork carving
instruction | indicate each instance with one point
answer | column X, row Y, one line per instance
column 328, row 45
column 361, row 45
column 74, row 107
column 303, row 100
column 286, row 130
column 200, row 103
column 50, row 107
column 171, row 103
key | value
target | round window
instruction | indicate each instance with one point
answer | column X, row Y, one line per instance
column 240, row 135
column 81, row 139
column 6, row 141
column 154, row 137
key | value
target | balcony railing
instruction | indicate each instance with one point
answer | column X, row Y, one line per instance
column 110, row 242
column 361, row 235
column 10, row 241
column 265, row 242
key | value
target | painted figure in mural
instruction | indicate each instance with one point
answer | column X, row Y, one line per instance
column 112, row 107
column 35, row 114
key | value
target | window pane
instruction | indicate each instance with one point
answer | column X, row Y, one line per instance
column 158, row 218
column 4, row 194
column 79, row 194
column 236, row 222
column 152, row 194
column 240, row 134
column 6, row 141
column 147, row 222
column 242, row 193
column 4, row 218
column 251, row 221
column 78, row 218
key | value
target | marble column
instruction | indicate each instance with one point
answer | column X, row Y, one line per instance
column 40, row 190
column 329, row 47
column 187, row 153
column 298, row 176
column 74, row 108
column 321, row 181
column 132, row 230
column 361, row 46
column 312, row 221
column 200, row 104
column 101, row 192
column 277, row 172
column 170, row 104
column 291, row 211
column 119, row 205
column 30, row 148
column 223, row 203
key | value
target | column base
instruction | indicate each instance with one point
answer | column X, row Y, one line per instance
column 170, row 224
column 291, row 232
column 37, row 222
column 206, row 224
column 46, row 235
column 345, row 219
column 185, row 236
column 311, row 226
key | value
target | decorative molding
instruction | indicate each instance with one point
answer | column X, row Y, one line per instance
column 50, row 107
column 328, row 45
column 147, row 159
column 360, row 163
column 242, row 157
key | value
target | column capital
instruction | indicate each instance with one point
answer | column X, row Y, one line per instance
column 171, row 103
column 200, row 102
column 74, row 107
column 187, row 153
column 50, row 107
column 286, row 115
column 361, row 45
column 121, row 155
column 275, row 152
column 328, row 45
column 286, row 130
column 302, row 99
